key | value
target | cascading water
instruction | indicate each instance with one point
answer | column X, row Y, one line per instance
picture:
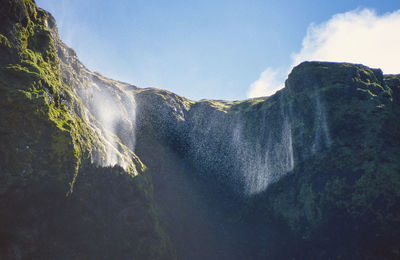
column 111, row 112
column 247, row 145
column 244, row 150
column 264, row 163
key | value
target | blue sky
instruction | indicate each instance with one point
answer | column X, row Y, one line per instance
column 200, row 49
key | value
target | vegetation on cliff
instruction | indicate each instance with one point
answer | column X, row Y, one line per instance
column 319, row 154
column 45, row 142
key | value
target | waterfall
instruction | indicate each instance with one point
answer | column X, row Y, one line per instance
column 268, row 165
column 111, row 113
column 265, row 154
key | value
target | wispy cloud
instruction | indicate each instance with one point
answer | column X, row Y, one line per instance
column 359, row 36
column 268, row 83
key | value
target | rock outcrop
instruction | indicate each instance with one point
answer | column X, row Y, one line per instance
column 62, row 195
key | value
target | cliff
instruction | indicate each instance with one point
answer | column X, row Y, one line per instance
column 96, row 168
column 54, row 136
column 318, row 156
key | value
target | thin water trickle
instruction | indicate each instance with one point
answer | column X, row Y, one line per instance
column 322, row 137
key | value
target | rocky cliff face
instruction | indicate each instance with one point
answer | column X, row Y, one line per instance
column 96, row 168
column 67, row 170
column 251, row 144
column 320, row 154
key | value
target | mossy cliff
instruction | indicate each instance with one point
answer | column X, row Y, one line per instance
column 311, row 172
column 319, row 155
column 60, row 196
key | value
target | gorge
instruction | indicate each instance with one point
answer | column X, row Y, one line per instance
column 95, row 168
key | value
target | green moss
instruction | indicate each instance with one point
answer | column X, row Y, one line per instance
column 4, row 42
column 234, row 106
column 37, row 78
column 166, row 96
column 45, row 141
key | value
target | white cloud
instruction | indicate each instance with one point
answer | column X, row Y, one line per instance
column 268, row 83
column 359, row 36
